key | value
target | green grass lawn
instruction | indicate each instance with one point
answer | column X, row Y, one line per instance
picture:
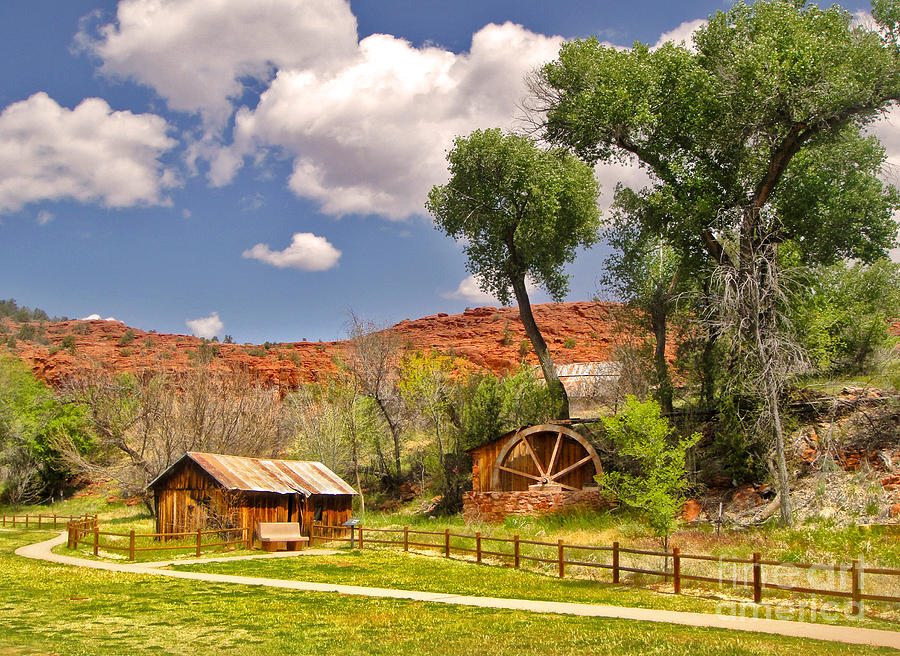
column 385, row 568
column 53, row 609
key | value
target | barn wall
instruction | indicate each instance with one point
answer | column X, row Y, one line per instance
column 484, row 458
column 185, row 499
column 189, row 497
column 336, row 509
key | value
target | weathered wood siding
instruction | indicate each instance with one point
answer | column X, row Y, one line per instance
column 484, row 458
column 190, row 498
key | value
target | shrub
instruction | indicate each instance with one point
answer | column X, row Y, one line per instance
column 27, row 332
column 656, row 484
column 569, row 343
column 126, row 338
column 68, row 343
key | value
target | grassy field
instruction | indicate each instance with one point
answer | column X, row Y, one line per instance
column 392, row 569
column 52, row 609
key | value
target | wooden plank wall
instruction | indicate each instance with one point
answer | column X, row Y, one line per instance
column 185, row 501
column 483, row 460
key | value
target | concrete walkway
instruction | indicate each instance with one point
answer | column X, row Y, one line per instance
column 845, row 634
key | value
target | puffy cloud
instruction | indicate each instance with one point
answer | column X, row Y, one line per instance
column 44, row 217
column 97, row 317
column 371, row 138
column 196, row 53
column 205, row 326
column 307, row 252
column 89, row 154
column 682, row 35
column 469, row 291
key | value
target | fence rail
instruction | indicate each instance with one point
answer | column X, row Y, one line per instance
column 42, row 520
column 86, row 530
column 559, row 554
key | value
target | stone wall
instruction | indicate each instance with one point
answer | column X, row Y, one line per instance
column 492, row 507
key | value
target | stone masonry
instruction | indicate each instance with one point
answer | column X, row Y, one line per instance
column 492, row 507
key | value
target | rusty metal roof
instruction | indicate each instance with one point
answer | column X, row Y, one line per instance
column 267, row 475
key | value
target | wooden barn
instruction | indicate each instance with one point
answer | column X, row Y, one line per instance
column 209, row 490
column 547, row 455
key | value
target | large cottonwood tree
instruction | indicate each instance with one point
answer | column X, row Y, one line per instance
column 770, row 87
column 521, row 213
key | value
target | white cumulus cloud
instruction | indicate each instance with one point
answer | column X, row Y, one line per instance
column 468, row 290
column 89, row 154
column 307, row 252
column 205, row 326
column 371, row 138
column 683, row 34
column 97, row 317
column 197, row 53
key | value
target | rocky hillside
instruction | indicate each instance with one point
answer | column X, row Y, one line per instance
column 487, row 337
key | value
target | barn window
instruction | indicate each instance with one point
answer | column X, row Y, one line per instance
column 317, row 513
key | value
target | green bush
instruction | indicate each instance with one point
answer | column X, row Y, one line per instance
column 68, row 343
column 126, row 338
column 655, row 483
column 569, row 343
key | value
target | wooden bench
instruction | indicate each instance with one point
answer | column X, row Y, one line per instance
column 273, row 534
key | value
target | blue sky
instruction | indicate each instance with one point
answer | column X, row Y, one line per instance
column 262, row 165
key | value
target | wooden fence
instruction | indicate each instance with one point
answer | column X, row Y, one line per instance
column 87, row 531
column 560, row 555
column 40, row 521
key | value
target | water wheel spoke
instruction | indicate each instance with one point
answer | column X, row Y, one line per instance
column 537, row 463
column 570, row 468
column 566, row 487
column 519, row 473
column 559, row 436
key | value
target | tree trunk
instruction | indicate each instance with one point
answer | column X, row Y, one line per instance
column 395, row 436
column 663, row 380
column 782, row 481
column 557, row 391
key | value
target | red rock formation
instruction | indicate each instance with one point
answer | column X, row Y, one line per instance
column 486, row 337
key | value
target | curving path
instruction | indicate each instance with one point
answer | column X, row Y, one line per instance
column 845, row 634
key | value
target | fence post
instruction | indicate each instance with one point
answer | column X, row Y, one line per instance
column 757, row 579
column 478, row 546
column 447, row 542
column 96, row 540
column 615, row 563
column 246, row 535
column 516, row 551
column 406, row 538
column 199, row 538
column 856, row 606
column 131, row 546
column 676, row 569
column 54, row 520
column 562, row 559
column 360, row 527
column 39, row 520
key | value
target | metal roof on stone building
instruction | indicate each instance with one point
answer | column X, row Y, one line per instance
column 586, row 379
column 266, row 475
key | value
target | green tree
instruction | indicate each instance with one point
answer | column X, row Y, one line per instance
column 522, row 211
column 771, row 88
column 656, row 483
column 846, row 320
column 32, row 421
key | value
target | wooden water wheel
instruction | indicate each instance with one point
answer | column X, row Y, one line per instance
column 546, row 454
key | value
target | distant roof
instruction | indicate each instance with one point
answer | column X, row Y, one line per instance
column 586, row 379
column 266, row 475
